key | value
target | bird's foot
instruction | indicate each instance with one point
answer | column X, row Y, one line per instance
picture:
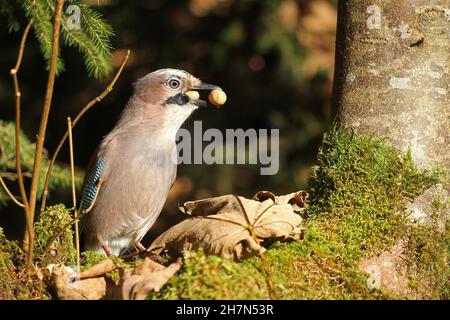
column 140, row 249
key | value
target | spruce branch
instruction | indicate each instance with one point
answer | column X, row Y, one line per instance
column 91, row 39
column 7, row 10
column 96, row 27
column 38, row 12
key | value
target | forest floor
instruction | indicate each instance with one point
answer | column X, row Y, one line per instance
column 356, row 224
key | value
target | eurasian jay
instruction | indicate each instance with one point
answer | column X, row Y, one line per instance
column 134, row 166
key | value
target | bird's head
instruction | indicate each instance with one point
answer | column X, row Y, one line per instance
column 171, row 87
column 170, row 94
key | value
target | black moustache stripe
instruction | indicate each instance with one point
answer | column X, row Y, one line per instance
column 179, row 99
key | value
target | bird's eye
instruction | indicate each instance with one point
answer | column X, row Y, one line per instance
column 174, row 83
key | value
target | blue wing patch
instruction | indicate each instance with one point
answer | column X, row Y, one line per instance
column 90, row 189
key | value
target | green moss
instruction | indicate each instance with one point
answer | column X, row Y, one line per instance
column 16, row 280
column 210, row 277
column 428, row 249
column 50, row 224
column 7, row 279
column 357, row 191
column 362, row 184
column 91, row 258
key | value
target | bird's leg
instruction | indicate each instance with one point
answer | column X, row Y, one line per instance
column 139, row 246
column 105, row 247
column 139, row 250
column 148, row 254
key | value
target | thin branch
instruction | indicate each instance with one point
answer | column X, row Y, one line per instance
column 272, row 292
column 10, row 195
column 74, row 194
column 43, row 126
column 13, row 176
column 16, row 68
column 89, row 105
column 13, row 72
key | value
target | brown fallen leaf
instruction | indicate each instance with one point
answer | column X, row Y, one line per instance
column 148, row 277
column 68, row 286
column 232, row 227
column 92, row 284
column 99, row 269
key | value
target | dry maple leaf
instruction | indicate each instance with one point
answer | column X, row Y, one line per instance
column 148, row 277
column 232, row 227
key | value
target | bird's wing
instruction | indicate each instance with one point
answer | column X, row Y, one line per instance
column 94, row 174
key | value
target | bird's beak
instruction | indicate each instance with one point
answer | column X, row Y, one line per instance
column 195, row 96
column 206, row 86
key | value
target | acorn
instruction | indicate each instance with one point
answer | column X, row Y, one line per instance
column 217, row 97
column 193, row 94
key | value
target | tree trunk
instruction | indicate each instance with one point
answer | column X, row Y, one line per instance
column 392, row 74
column 392, row 80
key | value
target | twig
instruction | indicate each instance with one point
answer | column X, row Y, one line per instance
column 13, row 72
column 91, row 103
column 43, row 125
column 13, row 176
column 10, row 195
column 74, row 194
column 272, row 293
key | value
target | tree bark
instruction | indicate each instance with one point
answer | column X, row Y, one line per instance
column 392, row 80
column 392, row 74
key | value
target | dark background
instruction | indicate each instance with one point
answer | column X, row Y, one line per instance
column 273, row 58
